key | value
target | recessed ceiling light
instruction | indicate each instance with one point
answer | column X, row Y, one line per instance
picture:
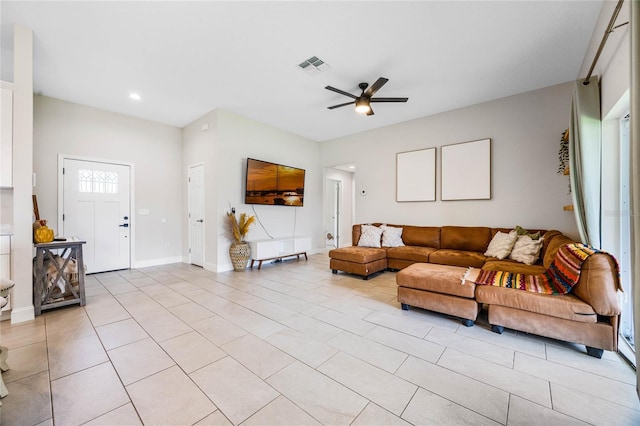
column 352, row 166
column 135, row 96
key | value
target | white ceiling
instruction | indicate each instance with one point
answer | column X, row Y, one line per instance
column 188, row 58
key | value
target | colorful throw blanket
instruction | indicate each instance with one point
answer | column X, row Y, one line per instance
column 559, row 278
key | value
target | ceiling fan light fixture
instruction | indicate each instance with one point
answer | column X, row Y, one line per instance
column 362, row 105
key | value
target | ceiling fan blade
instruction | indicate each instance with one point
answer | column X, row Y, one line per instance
column 342, row 92
column 388, row 99
column 376, row 86
column 341, row 105
column 370, row 112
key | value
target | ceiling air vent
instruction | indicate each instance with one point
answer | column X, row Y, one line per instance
column 314, row 65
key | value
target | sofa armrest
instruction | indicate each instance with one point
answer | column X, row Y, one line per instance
column 599, row 283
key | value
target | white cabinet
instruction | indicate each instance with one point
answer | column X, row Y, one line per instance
column 6, row 137
column 5, row 256
column 278, row 248
column 5, row 262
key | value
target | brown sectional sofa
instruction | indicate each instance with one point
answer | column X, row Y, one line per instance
column 588, row 315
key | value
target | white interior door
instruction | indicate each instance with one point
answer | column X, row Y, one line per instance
column 96, row 208
column 196, row 215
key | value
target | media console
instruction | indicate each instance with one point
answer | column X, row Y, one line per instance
column 278, row 248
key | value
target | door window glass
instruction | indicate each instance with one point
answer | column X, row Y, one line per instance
column 97, row 181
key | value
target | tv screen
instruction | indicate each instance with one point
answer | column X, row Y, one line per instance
column 273, row 184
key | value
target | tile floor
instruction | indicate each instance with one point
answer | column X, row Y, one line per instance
column 291, row 344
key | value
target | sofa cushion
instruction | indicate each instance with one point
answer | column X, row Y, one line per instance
column 501, row 244
column 358, row 254
column 391, row 236
column 424, row 236
column 356, row 231
column 526, row 250
column 534, row 235
column 371, row 236
column 494, row 264
column 457, row 258
column 469, row 238
column 566, row 306
column 414, row 253
column 436, row 278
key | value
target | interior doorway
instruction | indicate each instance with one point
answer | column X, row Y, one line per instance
column 339, row 205
column 95, row 203
column 196, row 214
column 332, row 219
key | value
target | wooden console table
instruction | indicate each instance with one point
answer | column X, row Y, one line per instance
column 279, row 248
column 46, row 280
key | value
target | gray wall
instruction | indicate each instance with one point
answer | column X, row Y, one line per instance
column 525, row 134
column 155, row 150
column 224, row 148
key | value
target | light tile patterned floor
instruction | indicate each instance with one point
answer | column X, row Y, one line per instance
column 291, row 344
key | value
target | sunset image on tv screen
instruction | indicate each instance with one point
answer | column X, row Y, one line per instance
column 274, row 184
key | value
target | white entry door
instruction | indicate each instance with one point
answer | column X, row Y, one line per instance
column 96, row 208
column 196, row 215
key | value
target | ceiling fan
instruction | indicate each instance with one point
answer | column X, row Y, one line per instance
column 363, row 101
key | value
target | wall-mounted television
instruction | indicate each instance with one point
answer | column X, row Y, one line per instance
column 273, row 184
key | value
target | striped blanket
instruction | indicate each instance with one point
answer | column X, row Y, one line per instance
column 559, row 278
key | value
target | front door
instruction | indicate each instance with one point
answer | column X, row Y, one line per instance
column 196, row 215
column 96, row 209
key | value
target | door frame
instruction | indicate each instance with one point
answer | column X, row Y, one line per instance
column 204, row 224
column 132, row 196
column 336, row 194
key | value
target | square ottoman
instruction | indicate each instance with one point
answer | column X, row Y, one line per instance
column 438, row 288
column 362, row 261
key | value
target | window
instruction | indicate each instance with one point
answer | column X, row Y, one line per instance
column 97, row 181
column 626, row 323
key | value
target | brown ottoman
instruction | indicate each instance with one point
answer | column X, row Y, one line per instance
column 358, row 260
column 438, row 288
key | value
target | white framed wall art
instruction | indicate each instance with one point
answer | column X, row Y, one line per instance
column 466, row 171
column 416, row 175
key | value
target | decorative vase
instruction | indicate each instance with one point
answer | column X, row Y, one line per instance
column 240, row 254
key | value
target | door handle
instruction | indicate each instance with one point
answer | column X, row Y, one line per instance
column 124, row 225
column 200, row 220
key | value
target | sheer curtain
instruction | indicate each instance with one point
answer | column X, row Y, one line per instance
column 635, row 173
column 585, row 141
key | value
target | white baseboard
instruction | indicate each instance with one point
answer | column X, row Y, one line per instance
column 157, row 262
column 26, row 313
column 222, row 268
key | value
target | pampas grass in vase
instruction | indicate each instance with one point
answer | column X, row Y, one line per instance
column 240, row 251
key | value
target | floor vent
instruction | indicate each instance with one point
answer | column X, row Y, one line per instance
column 314, row 65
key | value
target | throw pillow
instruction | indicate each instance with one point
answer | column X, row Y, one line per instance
column 391, row 236
column 526, row 250
column 369, row 236
column 501, row 244
column 521, row 231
